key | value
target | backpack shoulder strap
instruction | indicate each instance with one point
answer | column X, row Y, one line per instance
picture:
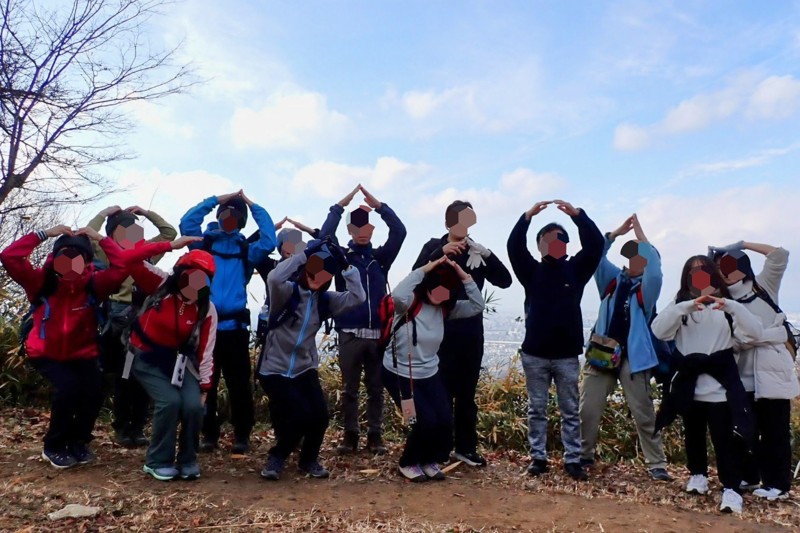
column 279, row 317
column 610, row 288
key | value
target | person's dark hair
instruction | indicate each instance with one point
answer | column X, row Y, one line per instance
column 742, row 260
column 443, row 275
column 550, row 227
column 685, row 293
column 302, row 280
column 452, row 211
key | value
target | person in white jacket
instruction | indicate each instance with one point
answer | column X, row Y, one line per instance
column 765, row 366
column 703, row 321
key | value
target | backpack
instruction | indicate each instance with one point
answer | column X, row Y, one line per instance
column 386, row 313
column 792, row 333
column 26, row 323
column 243, row 254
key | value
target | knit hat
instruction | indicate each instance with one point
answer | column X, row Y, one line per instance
column 237, row 203
column 78, row 242
column 126, row 218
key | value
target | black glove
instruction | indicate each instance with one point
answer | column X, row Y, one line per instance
column 338, row 254
column 313, row 246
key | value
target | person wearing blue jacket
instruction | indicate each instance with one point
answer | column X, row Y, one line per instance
column 359, row 328
column 235, row 259
column 628, row 302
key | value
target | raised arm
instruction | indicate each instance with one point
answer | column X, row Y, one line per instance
column 191, row 223
column 472, row 306
column 606, row 270
column 775, row 264
column 16, row 260
column 279, row 280
column 592, row 241
column 267, row 240
column 340, row 302
column 522, row 262
column 397, row 234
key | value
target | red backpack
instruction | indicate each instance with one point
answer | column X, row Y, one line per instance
column 386, row 313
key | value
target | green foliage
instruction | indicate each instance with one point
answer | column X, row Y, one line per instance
column 19, row 383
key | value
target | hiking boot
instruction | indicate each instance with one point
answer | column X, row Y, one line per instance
column 660, row 474
column 576, row 472
column 314, row 469
column 349, row 443
column 537, row 467
column 731, row 502
column 82, row 454
column 413, row 473
column 273, row 468
column 189, row 472
column 240, row 446
column 166, row 473
column 586, row 463
column 138, row 439
column 432, row 471
column 207, row 445
column 60, row 459
column 771, row 494
column 123, row 438
column 470, row 458
column 375, row 444
column 698, row 484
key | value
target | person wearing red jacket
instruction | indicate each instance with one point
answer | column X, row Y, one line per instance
column 171, row 350
column 62, row 343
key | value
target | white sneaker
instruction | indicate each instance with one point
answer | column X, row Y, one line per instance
column 413, row 473
column 432, row 471
column 771, row 494
column 745, row 486
column 697, row 484
column 731, row 502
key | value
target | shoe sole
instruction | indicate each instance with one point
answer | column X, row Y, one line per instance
column 773, row 499
column 154, row 475
column 729, row 510
column 696, row 491
column 59, row 467
column 466, row 461
column 271, row 476
column 316, row 476
column 190, row 477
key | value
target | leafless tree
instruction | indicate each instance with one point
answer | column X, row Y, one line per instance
column 66, row 75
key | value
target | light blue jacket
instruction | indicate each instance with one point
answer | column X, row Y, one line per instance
column 641, row 353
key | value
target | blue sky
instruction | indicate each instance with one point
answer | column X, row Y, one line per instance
column 686, row 113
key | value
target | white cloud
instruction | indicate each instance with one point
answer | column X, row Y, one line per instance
column 777, row 97
column 631, row 137
column 161, row 119
column 289, row 119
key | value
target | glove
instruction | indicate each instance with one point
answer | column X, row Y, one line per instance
column 481, row 249
column 338, row 254
column 712, row 250
column 475, row 255
column 313, row 246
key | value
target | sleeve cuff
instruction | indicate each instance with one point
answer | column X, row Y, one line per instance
column 42, row 235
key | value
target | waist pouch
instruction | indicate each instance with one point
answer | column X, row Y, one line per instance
column 603, row 352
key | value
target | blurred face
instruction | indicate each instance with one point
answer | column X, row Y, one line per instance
column 553, row 244
column 458, row 224
column 316, row 274
column 636, row 262
column 700, row 280
column 438, row 295
column 292, row 245
column 69, row 264
column 358, row 225
column 128, row 237
column 193, row 284
column 730, row 269
column 229, row 219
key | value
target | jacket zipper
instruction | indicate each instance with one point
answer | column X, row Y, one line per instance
column 300, row 336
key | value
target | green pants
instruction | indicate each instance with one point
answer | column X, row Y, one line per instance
column 596, row 386
column 172, row 405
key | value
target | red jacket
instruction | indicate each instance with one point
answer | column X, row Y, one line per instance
column 70, row 332
column 172, row 323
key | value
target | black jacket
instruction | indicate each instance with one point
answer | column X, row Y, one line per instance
column 554, row 289
column 494, row 271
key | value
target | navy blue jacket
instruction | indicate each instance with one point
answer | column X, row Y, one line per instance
column 554, row 289
column 372, row 263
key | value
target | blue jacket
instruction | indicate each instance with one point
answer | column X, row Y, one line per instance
column 373, row 266
column 641, row 353
column 229, row 286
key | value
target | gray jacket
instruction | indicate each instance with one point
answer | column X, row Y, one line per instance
column 291, row 348
column 423, row 358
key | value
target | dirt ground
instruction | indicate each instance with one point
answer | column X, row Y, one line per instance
column 364, row 494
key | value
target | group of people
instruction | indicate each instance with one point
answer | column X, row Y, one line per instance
column 100, row 305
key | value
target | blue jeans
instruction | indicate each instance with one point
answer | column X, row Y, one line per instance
column 539, row 374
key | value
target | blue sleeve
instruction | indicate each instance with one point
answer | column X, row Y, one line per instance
column 331, row 223
column 652, row 277
column 260, row 250
column 592, row 242
column 522, row 262
column 606, row 270
column 387, row 253
column 191, row 224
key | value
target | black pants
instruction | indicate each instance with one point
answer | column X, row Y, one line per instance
column 355, row 355
column 460, row 358
column 232, row 361
column 771, row 462
column 299, row 411
column 130, row 401
column 717, row 418
column 77, row 398
column 431, row 438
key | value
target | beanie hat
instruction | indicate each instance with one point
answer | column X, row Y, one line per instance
column 237, row 203
column 126, row 218
column 78, row 242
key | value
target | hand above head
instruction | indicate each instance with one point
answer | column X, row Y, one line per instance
column 344, row 202
column 537, row 208
column 91, row 233
column 283, row 221
column 463, row 276
column 373, row 202
column 225, row 198
column 567, row 208
column 136, row 210
column 338, row 255
column 727, row 248
column 61, row 229
column 637, row 228
column 110, row 210
column 624, row 228
column 246, row 199
column 433, row 264
column 182, row 242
